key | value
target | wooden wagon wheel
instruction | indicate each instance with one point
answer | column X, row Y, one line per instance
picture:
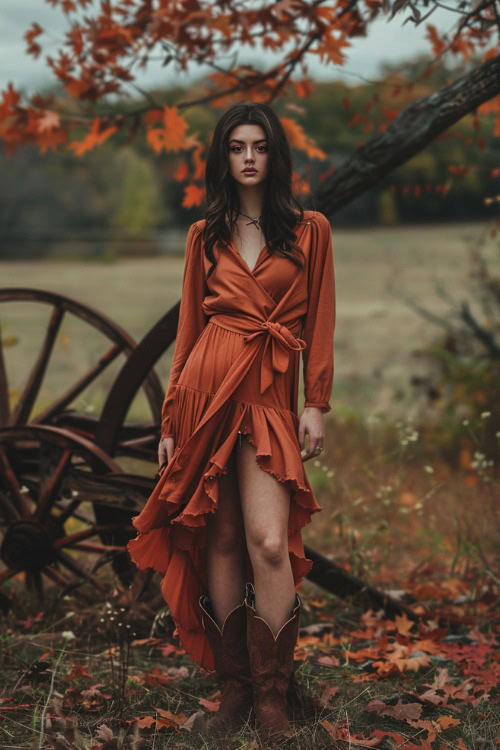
column 55, row 414
column 51, row 484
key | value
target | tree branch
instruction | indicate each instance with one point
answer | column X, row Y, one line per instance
column 418, row 125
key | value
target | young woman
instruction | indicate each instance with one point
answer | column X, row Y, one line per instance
column 223, row 524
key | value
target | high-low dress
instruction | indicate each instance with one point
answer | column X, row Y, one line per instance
column 236, row 369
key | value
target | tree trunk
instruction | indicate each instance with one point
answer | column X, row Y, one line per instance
column 338, row 581
column 415, row 127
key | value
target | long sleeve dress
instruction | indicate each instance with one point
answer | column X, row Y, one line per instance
column 236, row 369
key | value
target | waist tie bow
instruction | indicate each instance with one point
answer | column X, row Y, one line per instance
column 280, row 342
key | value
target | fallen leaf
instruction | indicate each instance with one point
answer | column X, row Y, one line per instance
column 210, row 705
column 447, row 721
column 402, row 711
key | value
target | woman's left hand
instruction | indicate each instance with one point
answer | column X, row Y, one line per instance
column 311, row 422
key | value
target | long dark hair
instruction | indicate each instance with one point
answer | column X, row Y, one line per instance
column 281, row 211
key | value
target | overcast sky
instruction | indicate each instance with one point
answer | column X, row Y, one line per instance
column 386, row 42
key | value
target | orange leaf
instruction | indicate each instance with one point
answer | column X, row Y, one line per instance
column 410, row 663
column 48, row 121
column 145, row 722
column 437, row 43
column 199, row 163
column 172, row 137
column 446, row 722
column 298, row 139
column 329, row 661
column 95, row 137
column 181, row 172
column 403, row 624
column 331, row 49
column 193, row 196
column 210, row 705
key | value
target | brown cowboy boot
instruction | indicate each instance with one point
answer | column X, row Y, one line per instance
column 229, row 646
column 271, row 664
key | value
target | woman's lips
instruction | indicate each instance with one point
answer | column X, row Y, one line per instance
column 249, row 171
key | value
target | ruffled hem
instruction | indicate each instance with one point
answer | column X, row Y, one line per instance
column 172, row 531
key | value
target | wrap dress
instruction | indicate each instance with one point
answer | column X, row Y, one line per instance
column 236, row 370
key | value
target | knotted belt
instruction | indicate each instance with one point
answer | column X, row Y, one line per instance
column 279, row 342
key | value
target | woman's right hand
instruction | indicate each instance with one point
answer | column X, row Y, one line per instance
column 166, row 450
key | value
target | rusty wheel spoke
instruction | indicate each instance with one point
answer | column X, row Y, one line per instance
column 57, row 406
column 98, row 548
column 57, row 577
column 79, row 536
column 10, row 478
column 48, row 490
column 7, row 509
column 69, row 510
column 70, row 564
column 27, row 399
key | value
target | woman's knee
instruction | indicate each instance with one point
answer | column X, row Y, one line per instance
column 228, row 538
column 268, row 549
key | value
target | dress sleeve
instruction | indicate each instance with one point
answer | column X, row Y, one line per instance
column 192, row 320
column 319, row 325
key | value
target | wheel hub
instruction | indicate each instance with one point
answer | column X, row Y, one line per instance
column 27, row 546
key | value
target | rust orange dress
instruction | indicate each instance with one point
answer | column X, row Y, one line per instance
column 236, row 369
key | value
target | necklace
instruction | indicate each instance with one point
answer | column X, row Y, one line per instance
column 254, row 221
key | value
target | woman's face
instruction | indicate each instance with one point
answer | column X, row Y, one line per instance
column 248, row 150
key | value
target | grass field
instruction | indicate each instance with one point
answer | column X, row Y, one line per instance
column 375, row 333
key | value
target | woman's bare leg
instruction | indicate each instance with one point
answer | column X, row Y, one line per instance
column 265, row 504
column 226, row 551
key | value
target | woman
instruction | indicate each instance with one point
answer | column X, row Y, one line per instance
column 223, row 525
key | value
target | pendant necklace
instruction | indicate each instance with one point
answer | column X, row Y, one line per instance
column 255, row 221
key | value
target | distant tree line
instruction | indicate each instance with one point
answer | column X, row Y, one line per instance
column 124, row 198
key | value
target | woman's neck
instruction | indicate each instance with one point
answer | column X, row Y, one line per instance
column 251, row 200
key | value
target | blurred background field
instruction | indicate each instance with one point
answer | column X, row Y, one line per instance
column 376, row 331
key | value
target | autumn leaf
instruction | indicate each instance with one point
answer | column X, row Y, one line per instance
column 30, row 36
column 409, row 662
column 145, row 722
column 167, row 718
column 330, row 49
column 329, row 661
column 193, row 196
column 181, row 172
column 199, row 163
column 209, row 705
column 299, row 139
column 403, row 624
column 402, row 711
column 445, row 722
column 342, row 733
column 156, row 677
column 172, row 136
column 95, row 137
column 438, row 45
column 48, row 121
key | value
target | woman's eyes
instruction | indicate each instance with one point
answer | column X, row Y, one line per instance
column 237, row 148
